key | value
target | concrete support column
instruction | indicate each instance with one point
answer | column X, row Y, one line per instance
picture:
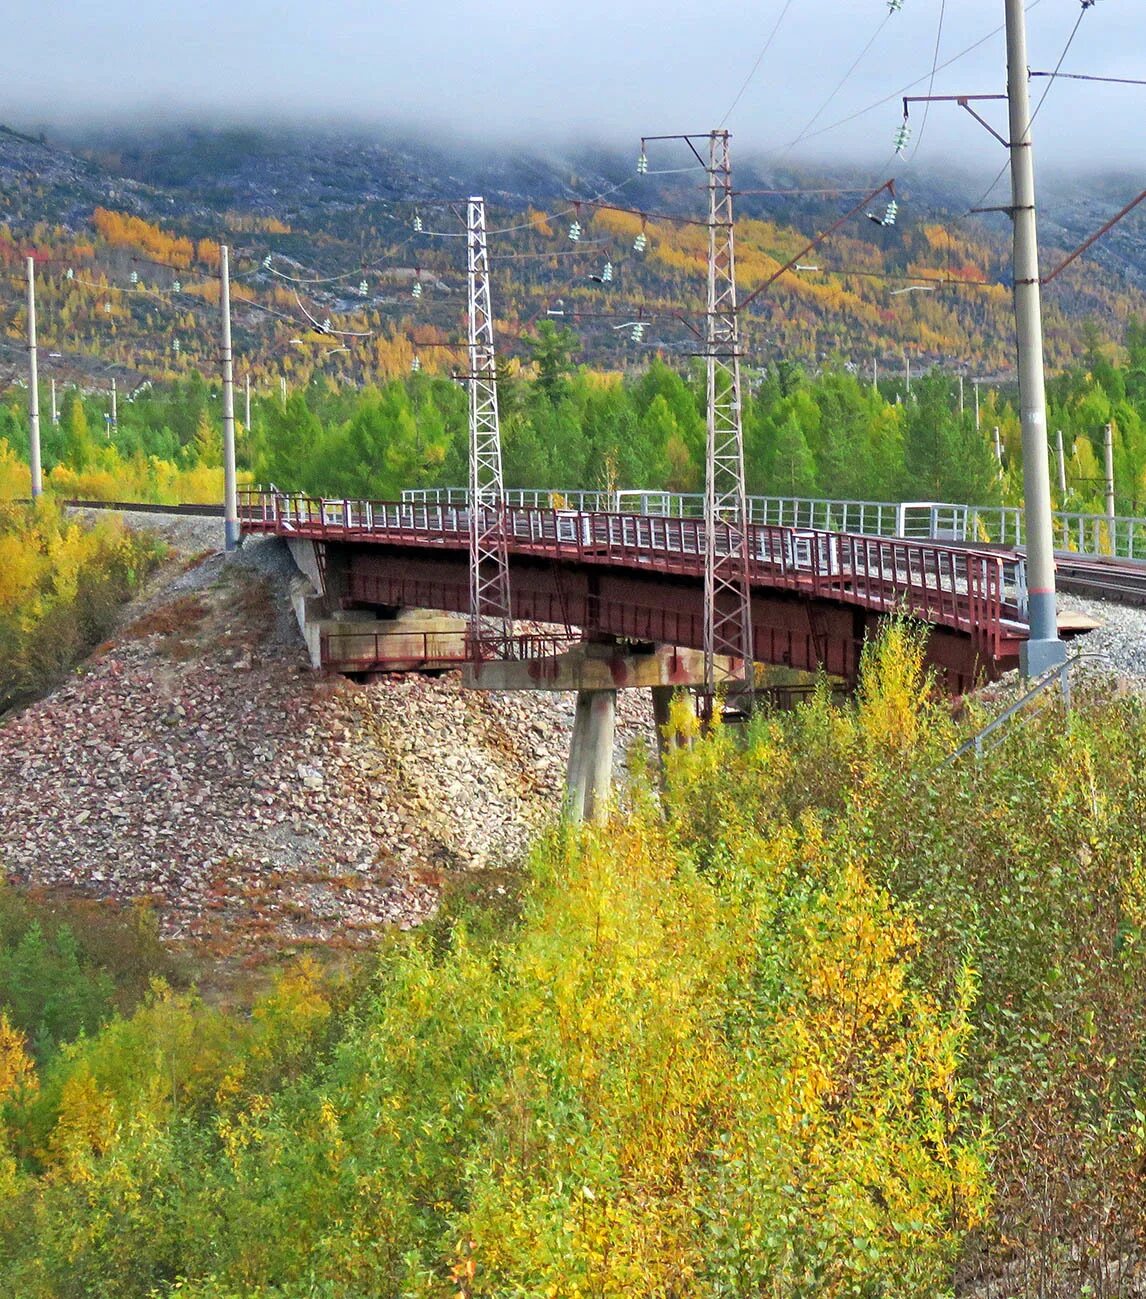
column 662, row 715
column 589, row 778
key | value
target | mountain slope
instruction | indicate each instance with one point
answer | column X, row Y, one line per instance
column 337, row 214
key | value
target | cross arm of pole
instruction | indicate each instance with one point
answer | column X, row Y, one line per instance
column 682, row 135
column 964, row 102
column 1094, row 238
column 888, row 186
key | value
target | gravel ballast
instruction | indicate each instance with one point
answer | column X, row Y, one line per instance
column 197, row 762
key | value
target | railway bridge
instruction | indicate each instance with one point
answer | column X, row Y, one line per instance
column 816, row 595
column 625, row 593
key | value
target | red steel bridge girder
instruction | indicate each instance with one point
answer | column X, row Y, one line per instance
column 787, row 630
column 815, row 594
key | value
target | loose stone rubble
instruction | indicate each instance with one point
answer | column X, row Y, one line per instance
column 1118, row 644
column 197, row 762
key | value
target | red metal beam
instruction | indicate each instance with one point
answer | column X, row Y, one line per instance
column 640, row 576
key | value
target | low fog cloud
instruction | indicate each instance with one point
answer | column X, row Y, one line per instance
column 530, row 73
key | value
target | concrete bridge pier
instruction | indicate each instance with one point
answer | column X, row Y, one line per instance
column 596, row 670
column 662, row 719
column 589, row 776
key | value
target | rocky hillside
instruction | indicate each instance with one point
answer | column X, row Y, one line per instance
column 197, row 763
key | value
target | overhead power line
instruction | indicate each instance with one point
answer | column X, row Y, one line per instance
column 839, row 85
column 898, row 94
column 931, row 83
column 759, row 59
column 1042, row 99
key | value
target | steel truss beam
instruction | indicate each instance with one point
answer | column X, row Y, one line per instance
column 491, row 618
column 727, row 595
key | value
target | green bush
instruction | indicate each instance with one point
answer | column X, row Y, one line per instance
column 825, row 1019
column 61, row 586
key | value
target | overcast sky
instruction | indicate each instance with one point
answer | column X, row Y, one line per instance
column 608, row 70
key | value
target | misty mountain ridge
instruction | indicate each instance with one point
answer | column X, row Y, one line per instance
column 296, row 172
column 346, row 196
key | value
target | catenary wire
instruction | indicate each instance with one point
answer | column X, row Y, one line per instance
column 759, row 59
column 1038, row 107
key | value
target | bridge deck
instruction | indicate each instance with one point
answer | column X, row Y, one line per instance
column 975, row 594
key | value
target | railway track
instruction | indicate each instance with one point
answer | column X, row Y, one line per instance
column 146, row 507
column 1120, row 581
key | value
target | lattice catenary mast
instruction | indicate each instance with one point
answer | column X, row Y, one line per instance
column 727, row 595
column 491, row 620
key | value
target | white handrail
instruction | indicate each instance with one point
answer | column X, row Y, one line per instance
column 1087, row 535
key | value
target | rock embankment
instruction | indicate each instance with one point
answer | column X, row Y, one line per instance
column 197, row 762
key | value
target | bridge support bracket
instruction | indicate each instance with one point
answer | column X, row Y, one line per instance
column 591, row 666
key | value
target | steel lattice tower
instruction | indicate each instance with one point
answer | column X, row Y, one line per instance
column 727, row 595
column 491, row 621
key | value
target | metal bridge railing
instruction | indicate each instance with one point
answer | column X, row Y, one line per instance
column 972, row 590
column 1087, row 535
column 1023, row 710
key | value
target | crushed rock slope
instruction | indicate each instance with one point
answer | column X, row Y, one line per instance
column 198, row 762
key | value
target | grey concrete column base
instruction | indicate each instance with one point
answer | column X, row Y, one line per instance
column 1037, row 657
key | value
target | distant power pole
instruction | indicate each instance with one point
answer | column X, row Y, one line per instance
column 962, row 405
column 33, row 388
column 1061, row 464
column 230, row 490
column 875, row 373
column 114, row 405
column 998, row 447
column 1108, row 464
column 1043, row 650
column 282, row 388
column 247, row 406
column 978, row 424
column 907, row 370
column 55, row 408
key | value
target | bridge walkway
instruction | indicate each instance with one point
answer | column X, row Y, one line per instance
column 978, row 596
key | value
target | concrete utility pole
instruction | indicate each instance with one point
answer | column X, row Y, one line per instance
column 907, row 370
column 114, row 405
column 282, row 388
column 1108, row 459
column 247, row 405
column 875, row 374
column 998, row 446
column 1061, row 465
column 55, row 408
column 1043, row 650
column 33, row 388
column 230, row 489
column 962, row 405
column 978, row 422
